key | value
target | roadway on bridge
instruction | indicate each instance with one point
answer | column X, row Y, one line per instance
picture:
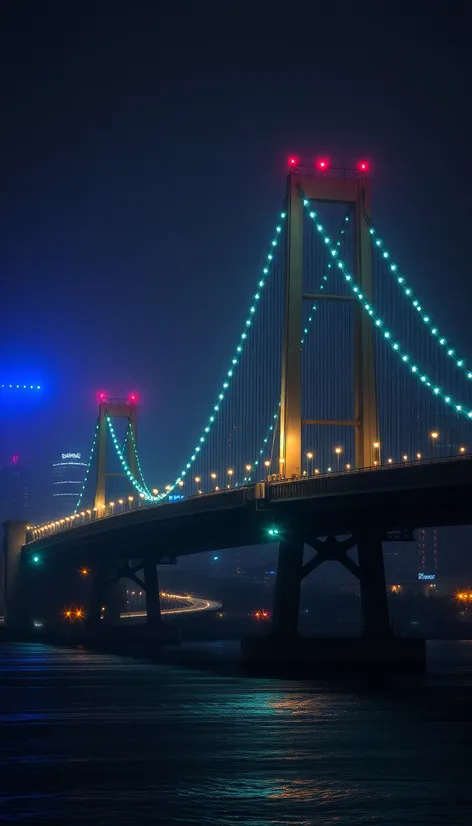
column 194, row 605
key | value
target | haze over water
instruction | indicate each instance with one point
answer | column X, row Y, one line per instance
column 102, row 739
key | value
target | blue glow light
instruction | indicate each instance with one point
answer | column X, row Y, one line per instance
column 14, row 386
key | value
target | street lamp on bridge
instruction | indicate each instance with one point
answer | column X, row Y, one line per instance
column 434, row 437
column 309, row 456
column 338, row 451
column 376, row 446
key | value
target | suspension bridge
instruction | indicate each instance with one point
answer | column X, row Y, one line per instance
column 344, row 411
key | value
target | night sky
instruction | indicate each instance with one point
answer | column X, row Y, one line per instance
column 144, row 150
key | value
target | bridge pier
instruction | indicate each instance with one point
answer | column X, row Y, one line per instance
column 151, row 586
column 376, row 648
column 106, row 593
column 287, row 587
column 114, row 601
column 14, row 537
column 375, row 613
column 97, row 597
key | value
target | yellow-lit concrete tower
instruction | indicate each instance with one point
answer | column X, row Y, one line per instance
column 120, row 409
column 345, row 190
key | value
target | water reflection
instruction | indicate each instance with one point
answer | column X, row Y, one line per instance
column 98, row 739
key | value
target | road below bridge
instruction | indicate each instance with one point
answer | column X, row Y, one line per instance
column 194, row 605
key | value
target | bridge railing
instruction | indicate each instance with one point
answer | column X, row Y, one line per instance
column 382, row 476
column 316, row 484
column 132, row 505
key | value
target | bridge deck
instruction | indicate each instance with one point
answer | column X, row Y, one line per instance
column 437, row 492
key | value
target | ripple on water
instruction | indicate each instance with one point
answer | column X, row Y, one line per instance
column 92, row 738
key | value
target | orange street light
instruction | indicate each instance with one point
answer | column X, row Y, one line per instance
column 434, row 437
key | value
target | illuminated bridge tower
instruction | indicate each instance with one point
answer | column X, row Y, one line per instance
column 356, row 193
column 120, row 409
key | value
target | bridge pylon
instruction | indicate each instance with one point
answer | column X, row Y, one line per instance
column 354, row 191
column 120, row 409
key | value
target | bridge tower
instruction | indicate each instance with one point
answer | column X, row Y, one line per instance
column 356, row 192
column 119, row 409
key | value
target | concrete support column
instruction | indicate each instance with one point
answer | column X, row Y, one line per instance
column 96, row 599
column 114, row 601
column 151, row 583
column 14, row 537
column 374, row 602
column 108, row 594
column 287, row 587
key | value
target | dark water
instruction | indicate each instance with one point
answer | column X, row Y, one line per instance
column 91, row 738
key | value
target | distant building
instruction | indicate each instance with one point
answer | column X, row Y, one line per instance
column 427, row 544
column 15, row 491
column 67, row 479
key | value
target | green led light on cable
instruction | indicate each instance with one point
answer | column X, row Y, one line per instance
column 437, row 391
column 136, row 455
column 408, row 292
column 94, row 441
column 325, row 277
column 137, row 486
column 256, row 462
column 126, row 438
column 234, row 362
